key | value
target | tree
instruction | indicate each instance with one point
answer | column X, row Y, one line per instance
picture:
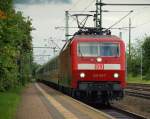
column 15, row 47
column 134, row 60
column 146, row 57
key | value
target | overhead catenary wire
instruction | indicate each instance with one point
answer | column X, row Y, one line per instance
column 84, row 10
column 137, row 10
column 134, row 15
column 119, row 4
column 120, row 20
column 88, row 6
column 105, row 11
column 75, row 4
column 123, row 4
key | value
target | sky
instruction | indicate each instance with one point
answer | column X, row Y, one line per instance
column 46, row 15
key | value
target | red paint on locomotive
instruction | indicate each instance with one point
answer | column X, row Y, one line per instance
column 103, row 75
column 96, row 75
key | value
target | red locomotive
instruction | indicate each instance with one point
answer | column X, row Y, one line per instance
column 89, row 66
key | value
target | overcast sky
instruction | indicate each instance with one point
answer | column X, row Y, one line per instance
column 48, row 14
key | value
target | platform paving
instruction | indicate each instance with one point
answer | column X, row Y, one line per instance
column 32, row 107
column 42, row 102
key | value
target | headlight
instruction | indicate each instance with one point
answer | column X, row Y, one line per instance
column 99, row 59
column 82, row 75
column 116, row 75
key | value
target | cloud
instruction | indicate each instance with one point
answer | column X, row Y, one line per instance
column 41, row 1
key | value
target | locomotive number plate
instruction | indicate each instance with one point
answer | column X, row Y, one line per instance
column 99, row 66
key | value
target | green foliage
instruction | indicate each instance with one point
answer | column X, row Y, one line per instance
column 138, row 49
column 9, row 101
column 134, row 60
column 137, row 79
column 147, row 75
column 146, row 57
column 40, row 1
column 35, row 66
column 15, row 47
column 6, row 5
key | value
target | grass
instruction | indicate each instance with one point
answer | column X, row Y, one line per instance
column 137, row 79
column 9, row 102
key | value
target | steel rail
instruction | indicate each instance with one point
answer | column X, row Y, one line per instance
column 137, row 94
column 113, row 111
column 131, row 115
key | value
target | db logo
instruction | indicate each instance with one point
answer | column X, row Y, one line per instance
column 99, row 66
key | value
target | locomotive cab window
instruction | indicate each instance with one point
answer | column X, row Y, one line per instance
column 91, row 49
column 109, row 49
column 88, row 49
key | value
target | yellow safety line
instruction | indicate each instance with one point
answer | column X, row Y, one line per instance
column 65, row 112
column 89, row 107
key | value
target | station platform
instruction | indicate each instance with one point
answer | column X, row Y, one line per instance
column 42, row 102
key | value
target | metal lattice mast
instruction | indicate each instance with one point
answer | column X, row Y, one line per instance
column 98, row 15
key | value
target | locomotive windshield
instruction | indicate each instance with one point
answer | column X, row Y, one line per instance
column 98, row 49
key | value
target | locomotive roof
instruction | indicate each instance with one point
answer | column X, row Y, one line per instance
column 96, row 36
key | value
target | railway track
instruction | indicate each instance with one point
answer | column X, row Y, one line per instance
column 138, row 90
column 138, row 84
column 114, row 112
column 117, row 113
column 122, row 114
column 138, row 94
column 141, row 87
